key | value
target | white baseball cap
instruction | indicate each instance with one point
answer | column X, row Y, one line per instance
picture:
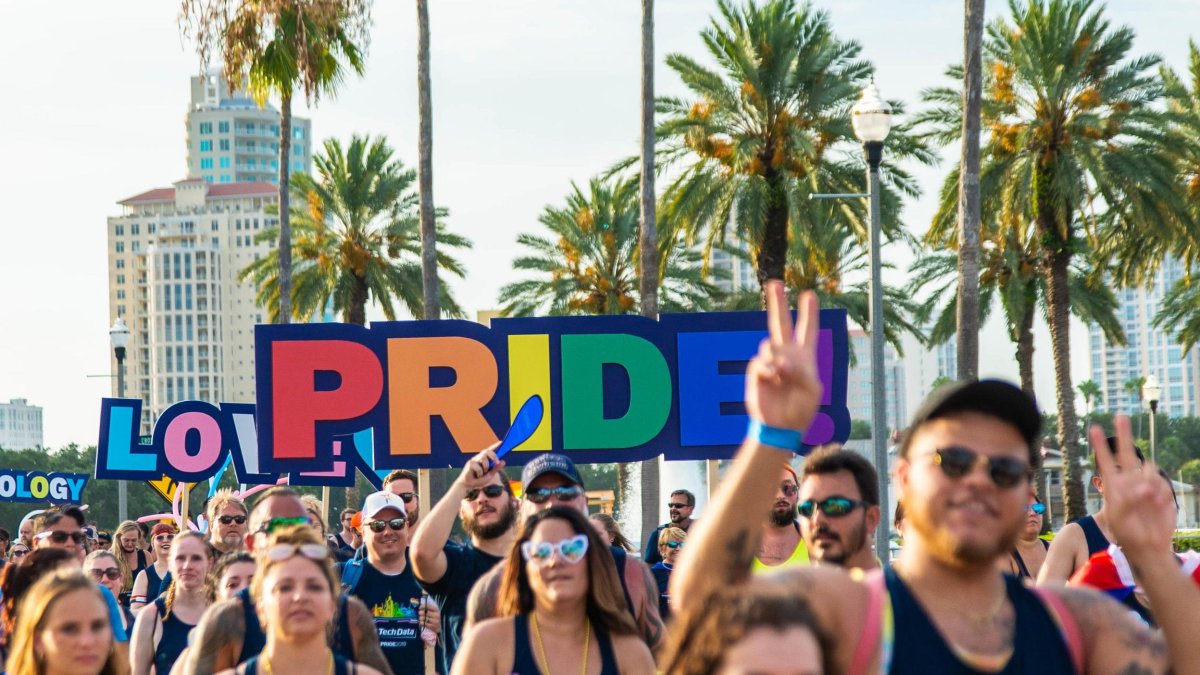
column 378, row 501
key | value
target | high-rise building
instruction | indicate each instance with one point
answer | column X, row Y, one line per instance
column 1148, row 350
column 174, row 255
column 859, row 381
column 923, row 366
column 740, row 274
column 20, row 425
column 232, row 140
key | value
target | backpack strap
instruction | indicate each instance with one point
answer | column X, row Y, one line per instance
column 1067, row 625
column 352, row 571
column 877, row 627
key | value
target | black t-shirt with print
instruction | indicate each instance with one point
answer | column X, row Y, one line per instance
column 465, row 564
column 393, row 601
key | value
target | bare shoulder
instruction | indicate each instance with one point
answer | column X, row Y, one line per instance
column 633, row 656
column 366, row 670
column 1113, row 639
column 1069, row 536
column 495, row 629
column 837, row 601
column 487, row 648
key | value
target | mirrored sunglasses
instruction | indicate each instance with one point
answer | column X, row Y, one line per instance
column 1038, row 508
column 674, row 545
column 570, row 550
column 381, row 525
column 833, row 506
column 563, row 493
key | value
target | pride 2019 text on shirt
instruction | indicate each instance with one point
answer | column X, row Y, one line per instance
column 425, row 394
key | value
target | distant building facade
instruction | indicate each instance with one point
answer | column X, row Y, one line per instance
column 232, row 140
column 859, row 383
column 20, row 425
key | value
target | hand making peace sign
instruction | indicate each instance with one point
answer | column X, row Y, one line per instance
column 783, row 388
column 1137, row 498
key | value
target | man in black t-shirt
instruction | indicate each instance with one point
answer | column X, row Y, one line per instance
column 484, row 500
column 386, row 585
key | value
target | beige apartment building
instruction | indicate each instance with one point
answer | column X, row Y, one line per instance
column 174, row 255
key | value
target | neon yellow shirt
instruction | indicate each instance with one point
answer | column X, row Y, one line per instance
column 799, row 558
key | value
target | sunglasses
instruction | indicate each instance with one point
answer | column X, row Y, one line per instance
column 273, row 524
column 789, row 489
column 676, row 506
column 570, row 550
column 832, row 506
column 1005, row 472
column 60, row 538
column 1038, row 508
column 112, row 573
column 20, row 552
column 225, row 520
column 407, row 497
column 490, row 491
column 281, row 552
column 564, row 493
column 164, row 537
column 674, row 545
column 381, row 525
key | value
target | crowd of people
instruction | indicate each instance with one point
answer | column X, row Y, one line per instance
column 778, row 576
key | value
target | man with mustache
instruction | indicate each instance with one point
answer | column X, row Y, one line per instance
column 781, row 545
column 839, row 508
column 483, row 498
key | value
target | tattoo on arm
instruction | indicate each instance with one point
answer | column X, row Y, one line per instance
column 367, row 650
column 1107, row 626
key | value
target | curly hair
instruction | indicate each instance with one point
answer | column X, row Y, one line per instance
column 707, row 630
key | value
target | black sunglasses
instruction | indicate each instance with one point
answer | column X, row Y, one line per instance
column 225, row 520
column 676, row 505
column 112, row 573
column 490, row 491
column 563, row 493
column 831, row 506
column 407, row 497
column 60, row 538
column 789, row 489
column 1005, row 472
column 381, row 525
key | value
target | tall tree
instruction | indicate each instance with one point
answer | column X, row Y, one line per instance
column 967, row 333
column 277, row 47
column 1091, row 392
column 649, row 252
column 1074, row 128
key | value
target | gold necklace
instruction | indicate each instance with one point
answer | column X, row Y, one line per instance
column 266, row 664
column 537, row 635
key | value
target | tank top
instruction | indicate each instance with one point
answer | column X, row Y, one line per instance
column 798, row 558
column 917, row 647
column 525, row 663
column 254, row 639
column 340, row 666
column 1096, row 541
column 1022, row 570
column 173, row 640
column 153, row 582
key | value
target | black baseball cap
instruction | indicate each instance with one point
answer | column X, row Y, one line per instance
column 550, row 463
column 995, row 398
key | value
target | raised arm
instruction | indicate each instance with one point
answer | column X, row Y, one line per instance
column 427, row 549
column 215, row 642
column 783, row 391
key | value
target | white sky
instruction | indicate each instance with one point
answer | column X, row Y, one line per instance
column 528, row 96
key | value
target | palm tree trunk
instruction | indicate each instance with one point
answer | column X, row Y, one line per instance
column 772, row 253
column 1024, row 343
column 356, row 314
column 967, row 335
column 429, row 276
column 285, row 219
column 1059, row 302
column 648, row 243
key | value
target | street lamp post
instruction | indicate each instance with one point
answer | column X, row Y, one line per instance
column 872, row 120
column 118, row 335
column 1152, row 391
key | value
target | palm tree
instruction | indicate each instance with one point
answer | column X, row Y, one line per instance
column 1091, row 392
column 276, row 48
column 768, row 127
column 1133, row 387
column 649, row 249
column 967, row 320
column 1073, row 127
column 588, row 261
column 357, row 238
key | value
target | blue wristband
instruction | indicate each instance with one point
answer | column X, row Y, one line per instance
column 784, row 439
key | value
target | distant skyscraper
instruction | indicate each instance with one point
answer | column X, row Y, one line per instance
column 231, row 140
column 174, row 255
column 20, row 425
column 858, row 383
column 1148, row 350
column 741, row 275
column 925, row 365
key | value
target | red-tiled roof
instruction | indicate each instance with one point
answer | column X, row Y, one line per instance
column 220, row 190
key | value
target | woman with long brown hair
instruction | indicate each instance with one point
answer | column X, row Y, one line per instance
column 63, row 629
column 160, row 633
column 561, row 608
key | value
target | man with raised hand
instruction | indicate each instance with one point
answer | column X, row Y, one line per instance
column 229, row 633
column 484, row 500
column 552, row 480
column 963, row 474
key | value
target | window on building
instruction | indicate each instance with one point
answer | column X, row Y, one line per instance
column 223, row 144
column 225, row 178
column 223, row 127
column 135, row 229
column 216, row 225
column 119, row 230
column 206, row 163
column 224, row 161
column 135, row 246
column 120, row 310
column 187, row 298
column 120, row 263
column 151, row 228
column 206, row 127
column 298, row 132
column 120, row 278
column 206, row 146
column 120, row 247
column 120, row 293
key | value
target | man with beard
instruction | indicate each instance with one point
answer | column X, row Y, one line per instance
column 963, row 474
column 484, row 500
column 227, row 517
column 679, row 510
column 839, row 508
column 781, row 545
column 403, row 484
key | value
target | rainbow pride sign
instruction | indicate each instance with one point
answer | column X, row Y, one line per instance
column 426, row 394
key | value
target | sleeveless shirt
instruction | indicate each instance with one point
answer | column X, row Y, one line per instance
column 254, row 639
column 340, row 666
column 525, row 663
column 798, row 558
column 173, row 640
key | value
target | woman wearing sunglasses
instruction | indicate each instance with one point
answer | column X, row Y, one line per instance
column 152, row 580
column 1029, row 553
column 17, row 551
column 670, row 545
column 102, row 567
column 295, row 592
column 561, row 607
column 161, row 631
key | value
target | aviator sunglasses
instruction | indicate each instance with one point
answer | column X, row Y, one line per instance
column 381, row 525
column 1005, row 472
column 570, row 550
column 832, row 506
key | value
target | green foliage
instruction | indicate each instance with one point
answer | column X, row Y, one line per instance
column 860, row 430
column 1191, row 471
column 1186, row 542
column 940, row 381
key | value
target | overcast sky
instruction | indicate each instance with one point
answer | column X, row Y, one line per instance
column 528, row 96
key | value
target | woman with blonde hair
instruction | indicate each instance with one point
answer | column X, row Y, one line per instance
column 63, row 629
column 612, row 531
column 104, row 569
column 161, row 631
column 295, row 592
column 131, row 559
column 312, row 507
column 561, row 608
